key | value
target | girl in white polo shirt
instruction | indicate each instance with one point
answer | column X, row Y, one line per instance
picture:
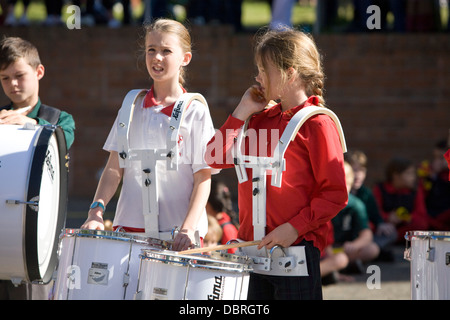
column 183, row 194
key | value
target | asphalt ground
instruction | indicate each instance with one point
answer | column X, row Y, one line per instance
column 381, row 281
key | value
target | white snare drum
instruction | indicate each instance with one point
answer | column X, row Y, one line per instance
column 33, row 201
column 429, row 255
column 100, row 265
column 167, row 275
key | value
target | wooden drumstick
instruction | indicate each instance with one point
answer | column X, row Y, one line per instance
column 221, row 247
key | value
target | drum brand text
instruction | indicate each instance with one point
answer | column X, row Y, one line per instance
column 48, row 162
column 217, row 289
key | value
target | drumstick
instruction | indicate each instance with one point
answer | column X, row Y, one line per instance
column 23, row 110
column 222, row 247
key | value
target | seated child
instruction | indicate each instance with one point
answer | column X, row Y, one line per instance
column 400, row 199
column 351, row 227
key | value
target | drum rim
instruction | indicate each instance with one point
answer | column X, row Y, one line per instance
column 186, row 260
column 33, row 272
column 435, row 235
column 114, row 235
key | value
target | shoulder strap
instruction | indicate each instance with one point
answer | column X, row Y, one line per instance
column 290, row 133
column 50, row 114
column 125, row 118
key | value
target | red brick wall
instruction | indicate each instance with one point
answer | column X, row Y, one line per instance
column 390, row 91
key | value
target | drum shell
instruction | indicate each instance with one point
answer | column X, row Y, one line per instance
column 429, row 255
column 33, row 167
column 87, row 255
column 168, row 279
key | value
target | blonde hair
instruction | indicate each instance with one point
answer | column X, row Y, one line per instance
column 288, row 48
column 173, row 27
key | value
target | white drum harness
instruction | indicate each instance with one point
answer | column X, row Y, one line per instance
column 293, row 261
column 149, row 157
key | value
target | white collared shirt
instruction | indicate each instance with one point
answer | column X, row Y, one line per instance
column 148, row 130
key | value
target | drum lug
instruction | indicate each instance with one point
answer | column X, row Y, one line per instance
column 286, row 263
column 430, row 251
column 261, row 263
column 126, row 279
column 407, row 254
column 16, row 281
column 33, row 203
column 430, row 254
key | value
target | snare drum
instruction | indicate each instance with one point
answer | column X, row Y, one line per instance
column 100, row 265
column 429, row 255
column 167, row 275
column 33, row 201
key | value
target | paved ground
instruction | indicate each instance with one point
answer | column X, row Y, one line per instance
column 394, row 282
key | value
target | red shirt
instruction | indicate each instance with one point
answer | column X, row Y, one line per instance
column 419, row 216
column 313, row 187
column 230, row 232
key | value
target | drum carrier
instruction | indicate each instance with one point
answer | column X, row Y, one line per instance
column 286, row 261
column 148, row 157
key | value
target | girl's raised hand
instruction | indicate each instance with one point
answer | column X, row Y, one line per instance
column 252, row 101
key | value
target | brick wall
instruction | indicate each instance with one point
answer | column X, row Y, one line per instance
column 390, row 91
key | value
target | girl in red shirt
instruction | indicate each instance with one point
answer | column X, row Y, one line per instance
column 313, row 187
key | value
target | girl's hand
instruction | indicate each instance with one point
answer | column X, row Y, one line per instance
column 94, row 220
column 284, row 235
column 184, row 240
column 14, row 117
column 252, row 101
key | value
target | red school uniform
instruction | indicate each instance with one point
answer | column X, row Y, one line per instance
column 410, row 202
column 313, row 187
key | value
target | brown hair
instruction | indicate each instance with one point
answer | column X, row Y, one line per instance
column 173, row 27
column 288, row 48
column 356, row 157
column 397, row 165
column 14, row 48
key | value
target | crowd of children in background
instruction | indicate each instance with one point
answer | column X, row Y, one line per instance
column 409, row 198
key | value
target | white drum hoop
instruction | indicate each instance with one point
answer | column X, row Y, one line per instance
column 423, row 235
column 115, row 235
column 226, row 262
column 40, row 152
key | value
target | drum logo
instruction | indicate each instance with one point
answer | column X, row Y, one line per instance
column 98, row 273
column 177, row 110
column 217, row 294
column 49, row 165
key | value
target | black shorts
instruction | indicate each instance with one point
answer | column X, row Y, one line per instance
column 266, row 287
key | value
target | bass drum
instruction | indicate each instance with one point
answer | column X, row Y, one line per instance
column 33, row 201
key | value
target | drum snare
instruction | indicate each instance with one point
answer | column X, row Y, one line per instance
column 167, row 275
column 100, row 265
